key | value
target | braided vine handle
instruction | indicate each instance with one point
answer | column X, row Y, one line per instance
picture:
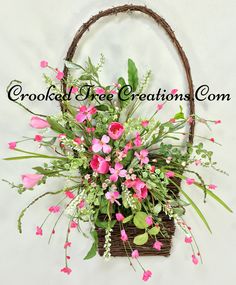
column 160, row 21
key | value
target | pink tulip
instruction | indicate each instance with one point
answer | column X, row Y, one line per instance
column 98, row 145
column 159, row 107
column 38, row 138
column 99, row 164
column 194, row 259
column 138, row 140
column 30, row 180
column 73, row 225
column 12, row 145
column 119, row 217
column 66, row 270
column 142, row 156
column 145, row 123
column 39, row 231
column 39, row 123
column 157, row 245
column 190, row 181
column 115, row 130
column 149, row 220
column 212, row 187
column 43, row 64
column 169, row 174
column 146, row 275
column 85, row 113
column 124, row 236
column 135, row 254
column 117, row 172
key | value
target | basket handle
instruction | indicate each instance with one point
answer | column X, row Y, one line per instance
column 160, row 21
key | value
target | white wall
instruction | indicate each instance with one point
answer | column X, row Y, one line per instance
column 36, row 30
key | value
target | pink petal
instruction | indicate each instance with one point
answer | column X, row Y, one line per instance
column 105, row 139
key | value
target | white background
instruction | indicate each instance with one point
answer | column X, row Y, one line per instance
column 36, row 30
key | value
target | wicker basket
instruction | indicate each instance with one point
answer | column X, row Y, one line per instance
column 118, row 247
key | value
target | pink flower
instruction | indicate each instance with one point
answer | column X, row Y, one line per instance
column 212, row 139
column 12, row 145
column 115, row 130
column 190, row 181
column 85, row 113
column 38, row 123
column 212, row 187
column 90, row 130
column 30, row 180
column 194, row 259
column 152, row 169
column 127, row 147
column 146, row 275
column 119, row 217
column 140, row 189
column 74, row 89
column 188, row 239
column 138, row 140
column 39, row 231
column 102, row 144
column 142, row 156
column 198, row 162
column 190, row 120
column 149, row 220
column 81, row 204
column 38, row 138
column 99, row 164
column 73, row 225
column 135, row 254
column 172, row 120
column 169, row 174
column 113, row 196
column 54, row 209
column 78, row 140
column 116, row 172
column 174, row 91
column 100, row 91
column 159, row 107
column 157, row 245
column 43, row 63
column 218, row 122
column 59, row 75
column 145, row 123
column 66, row 270
column 67, row 244
column 69, row 194
column 124, row 236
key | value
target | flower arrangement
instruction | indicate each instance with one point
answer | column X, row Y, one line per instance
column 119, row 169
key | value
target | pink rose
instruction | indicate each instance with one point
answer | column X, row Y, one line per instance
column 30, row 180
column 99, row 164
column 115, row 130
column 38, row 123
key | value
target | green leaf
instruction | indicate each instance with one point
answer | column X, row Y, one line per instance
column 132, row 74
column 55, row 126
column 85, row 77
column 141, row 239
column 123, row 103
column 93, row 250
column 157, row 209
column 154, row 231
column 196, row 209
column 104, row 224
column 129, row 157
column 102, row 107
column 72, row 65
column 127, row 219
column 140, row 220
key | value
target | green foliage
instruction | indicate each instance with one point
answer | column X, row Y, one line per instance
column 140, row 220
column 141, row 239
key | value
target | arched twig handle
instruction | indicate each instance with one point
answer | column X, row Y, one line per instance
column 159, row 20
